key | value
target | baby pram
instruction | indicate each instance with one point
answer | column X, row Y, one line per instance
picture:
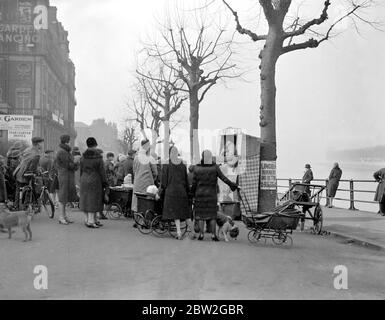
column 277, row 225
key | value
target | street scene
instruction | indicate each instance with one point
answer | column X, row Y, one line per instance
column 192, row 150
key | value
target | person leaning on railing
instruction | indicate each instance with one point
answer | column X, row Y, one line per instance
column 379, row 176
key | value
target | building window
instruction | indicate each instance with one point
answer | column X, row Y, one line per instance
column 23, row 98
column 25, row 12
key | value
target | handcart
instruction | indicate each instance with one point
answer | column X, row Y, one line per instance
column 119, row 203
column 306, row 197
column 277, row 225
column 149, row 217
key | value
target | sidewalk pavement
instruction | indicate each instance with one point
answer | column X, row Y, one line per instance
column 364, row 228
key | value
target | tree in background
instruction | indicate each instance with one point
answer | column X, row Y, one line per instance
column 200, row 56
column 284, row 35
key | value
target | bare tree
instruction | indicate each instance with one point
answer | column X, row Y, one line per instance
column 279, row 40
column 200, row 59
column 129, row 137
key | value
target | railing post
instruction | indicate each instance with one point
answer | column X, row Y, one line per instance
column 327, row 198
column 290, row 185
column 352, row 195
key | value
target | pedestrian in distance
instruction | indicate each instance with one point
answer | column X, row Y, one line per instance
column 334, row 181
column 379, row 176
column 308, row 178
column 109, row 168
column 93, row 182
column 204, row 191
column 174, row 190
column 66, row 167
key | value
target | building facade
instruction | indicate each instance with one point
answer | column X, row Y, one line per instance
column 37, row 77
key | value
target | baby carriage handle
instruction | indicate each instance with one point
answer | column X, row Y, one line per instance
column 244, row 200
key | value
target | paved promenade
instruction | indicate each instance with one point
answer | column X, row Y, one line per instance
column 117, row 262
column 367, row 228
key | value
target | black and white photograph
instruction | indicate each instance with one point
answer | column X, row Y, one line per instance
column 207, row 153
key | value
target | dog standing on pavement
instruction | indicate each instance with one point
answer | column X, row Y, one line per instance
column 22, row 219
column 226, row 227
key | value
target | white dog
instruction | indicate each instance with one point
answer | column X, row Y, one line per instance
column 226, row 227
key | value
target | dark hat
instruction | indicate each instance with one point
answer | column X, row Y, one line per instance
column 65, row 138
column 36, row 140
column 91, row 142
column 144, row 142
column 131, row 152
column 307, row 166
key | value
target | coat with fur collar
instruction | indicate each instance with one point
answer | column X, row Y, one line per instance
column 92, row 181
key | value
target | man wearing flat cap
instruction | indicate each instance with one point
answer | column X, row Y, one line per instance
column 29, row 164
column 66, row 167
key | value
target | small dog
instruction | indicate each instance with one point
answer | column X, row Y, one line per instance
column 226, row 227
column 22, row 219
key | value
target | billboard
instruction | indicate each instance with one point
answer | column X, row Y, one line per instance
column 19, row 127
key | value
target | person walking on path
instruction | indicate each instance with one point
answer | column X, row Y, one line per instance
column 66, row 167
column 174, row 190
column 379, row 176
column 145, row 172
column 334, row 181
column 204, row 191
column 93, row 181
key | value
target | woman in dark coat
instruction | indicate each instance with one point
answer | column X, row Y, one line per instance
column 334, row 181
column 92, row 183
column 379, row 176
column 204, row 191
column 65, row 166
column 175, row 191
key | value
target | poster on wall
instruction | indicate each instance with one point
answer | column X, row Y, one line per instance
column 19, row 127
column 268, row 179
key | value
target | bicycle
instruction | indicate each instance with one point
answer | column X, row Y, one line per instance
column 28, row 197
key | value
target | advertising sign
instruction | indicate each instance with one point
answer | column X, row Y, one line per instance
column 268, row 175
column 16, row 122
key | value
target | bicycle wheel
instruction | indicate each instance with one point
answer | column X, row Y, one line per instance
column 172, row 229
column 158, row 226
column 27, row 199
column 114, row 211
column 47, row 205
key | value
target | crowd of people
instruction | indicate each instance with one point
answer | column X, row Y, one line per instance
column 72, row 177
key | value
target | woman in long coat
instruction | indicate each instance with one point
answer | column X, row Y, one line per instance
column 66, row 167
column 174, row 189
column 204, row 191
column 145, row 172
column 92, row 183
column 334, row 181
column 379, row 176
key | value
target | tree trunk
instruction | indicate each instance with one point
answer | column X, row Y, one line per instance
column 166, row 128
column 269, row 56
column 194, row 124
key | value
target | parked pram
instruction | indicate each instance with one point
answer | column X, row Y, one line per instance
column 149, row 217
column 277, row 225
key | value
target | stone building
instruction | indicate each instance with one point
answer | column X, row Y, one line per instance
column 37, row 77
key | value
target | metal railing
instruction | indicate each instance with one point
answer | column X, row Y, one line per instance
column 351, row 190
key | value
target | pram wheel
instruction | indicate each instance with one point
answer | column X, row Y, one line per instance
column 280, row 238
column 158, row 226
column 318, row 220
column 142, row 224
column 114, row 211
column 254, row 236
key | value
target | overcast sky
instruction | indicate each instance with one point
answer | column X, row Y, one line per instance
column 330, row 97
